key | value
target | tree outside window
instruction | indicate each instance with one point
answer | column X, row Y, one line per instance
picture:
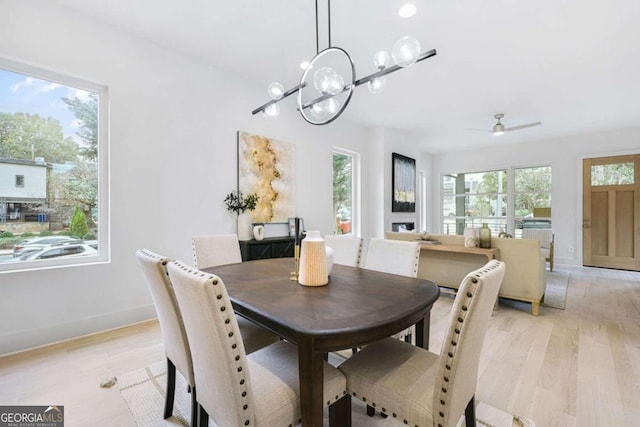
column 343, row 169
column 53, row 126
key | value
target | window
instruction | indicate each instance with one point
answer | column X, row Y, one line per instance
column 612, row 174
column 346, row 192
column 53, row 140
column 508, row 200
column 471, row 199
column 532, row 198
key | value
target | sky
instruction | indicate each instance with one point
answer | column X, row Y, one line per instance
column 25, row 94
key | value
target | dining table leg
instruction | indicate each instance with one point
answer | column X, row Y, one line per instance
column 311, row 373
column 422, row 331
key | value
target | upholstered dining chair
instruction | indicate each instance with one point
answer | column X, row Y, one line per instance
column 546, row 239
column 174, row 336
column 394, row 257
column 421, row 388
column 213, row 250
column 347, row 248
column 236, row 389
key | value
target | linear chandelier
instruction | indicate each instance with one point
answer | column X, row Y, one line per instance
column 328, row 81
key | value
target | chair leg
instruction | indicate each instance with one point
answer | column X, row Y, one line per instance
column 171, row 389
column 470, row 413
column 340, row 412
column 194, row 407
column 203, row 417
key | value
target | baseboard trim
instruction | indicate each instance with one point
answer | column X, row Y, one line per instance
column 43, row 337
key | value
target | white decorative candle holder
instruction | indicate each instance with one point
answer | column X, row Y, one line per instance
column 471, row 239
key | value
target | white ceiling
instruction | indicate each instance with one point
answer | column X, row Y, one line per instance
column 571, row 64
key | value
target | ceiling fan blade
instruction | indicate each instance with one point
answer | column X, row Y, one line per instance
column 528, row 125
column 481, row 130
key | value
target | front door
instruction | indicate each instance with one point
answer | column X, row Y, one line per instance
column 611, row 212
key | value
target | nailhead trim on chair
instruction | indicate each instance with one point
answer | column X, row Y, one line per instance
column 451, row 351
column 234, row 344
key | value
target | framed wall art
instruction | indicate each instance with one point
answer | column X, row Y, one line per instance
column 266, row 167
column 403, row 183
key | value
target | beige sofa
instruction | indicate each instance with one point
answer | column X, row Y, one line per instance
column 524, row 279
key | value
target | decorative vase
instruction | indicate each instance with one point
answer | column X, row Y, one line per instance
column 258, row 232
column 245, row 231
column 313, row 261
column 485, row 236
column 471, row 237
column 329, row 252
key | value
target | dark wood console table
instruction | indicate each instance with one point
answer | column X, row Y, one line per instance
column 271, row 247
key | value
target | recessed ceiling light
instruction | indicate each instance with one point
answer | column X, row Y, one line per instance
column 407, row 10
column 304, row 65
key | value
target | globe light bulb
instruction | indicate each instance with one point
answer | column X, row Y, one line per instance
column 326, row 80
column 407, row 10
column 378, row 85
column 271, row 111
column 381, row 60
column 276, row 91
column 406, row 51
column 332, row 105
column 319, row 111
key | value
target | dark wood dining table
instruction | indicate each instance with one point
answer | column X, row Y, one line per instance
column 357, row 307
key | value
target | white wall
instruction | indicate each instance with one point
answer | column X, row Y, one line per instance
column 173, row 149
column 35, row 181
column 565, row 156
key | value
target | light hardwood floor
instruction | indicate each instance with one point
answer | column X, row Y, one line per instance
column 574, row 367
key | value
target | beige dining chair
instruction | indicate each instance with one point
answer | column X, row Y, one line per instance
column 236, row 389
column 347, row 248
column 174, row 336
column 394, row 257
column 421, row 388
column 546, row 239
column 213, row 250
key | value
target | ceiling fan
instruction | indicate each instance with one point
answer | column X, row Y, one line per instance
column 499, row 129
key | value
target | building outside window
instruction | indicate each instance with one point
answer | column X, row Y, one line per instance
column 53, row 140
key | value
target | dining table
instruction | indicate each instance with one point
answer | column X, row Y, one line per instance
column 357, row 307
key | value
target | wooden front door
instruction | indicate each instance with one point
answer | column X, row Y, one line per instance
column 611, row 212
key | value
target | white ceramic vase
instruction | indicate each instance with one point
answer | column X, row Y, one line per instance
column 313, row 261
column 245, row 227
column 258, row 232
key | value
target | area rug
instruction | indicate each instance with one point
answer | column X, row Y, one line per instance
column 143, row 391
column 555, row 294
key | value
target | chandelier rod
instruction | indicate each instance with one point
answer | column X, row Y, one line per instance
column 370, row 77
column 366, row 79
column 328, row 26
column 317, row 37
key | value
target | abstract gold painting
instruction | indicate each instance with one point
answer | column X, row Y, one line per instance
column 267, row 167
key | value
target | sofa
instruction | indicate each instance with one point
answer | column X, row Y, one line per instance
column 525, row 277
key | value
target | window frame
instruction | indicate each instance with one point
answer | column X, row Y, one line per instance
column 355, row 189
column 509, row 195
column 20, row 181
column 102, row 164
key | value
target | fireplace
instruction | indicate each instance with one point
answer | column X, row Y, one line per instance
column 402, row 226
